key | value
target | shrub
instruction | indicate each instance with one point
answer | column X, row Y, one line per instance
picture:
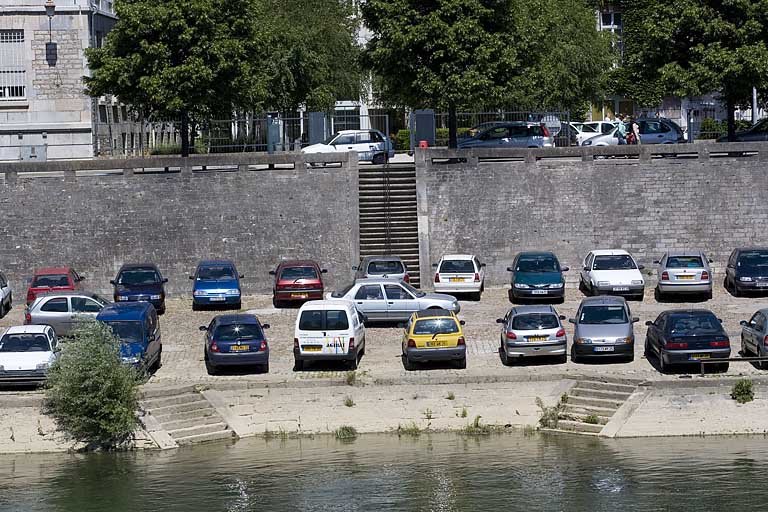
column 90, row 394
column 166, row 149
column 346, row 432
column 550, row 416
column 476, row 428
column 412, row 429
column 349, row 402
column 450, row 396
column 742, row 391
column 592, row 419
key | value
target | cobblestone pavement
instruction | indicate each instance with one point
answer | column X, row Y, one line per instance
column 183, row 352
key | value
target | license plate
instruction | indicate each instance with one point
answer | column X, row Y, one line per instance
column 240, row 348
column 539, row 292
column 312, row 348
column 437, row 343
column 621, row 288
column 217, row 299
column 696, row 357
column 762, row 285
column 685, row 277
column 456, row 279
column 537, row 338
column 604, row 349
column 298, row 295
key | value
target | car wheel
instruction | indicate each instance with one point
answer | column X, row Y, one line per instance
column 298, row 365
column 504, row 357
column 708, row 295
column 2, row 309
column 265, row 368
column 562, row 359
column 657, row 295
column 195, row 307
column 276, row 303
column 477, row 296
column 408, row 364
column 582, row 287
column 238, row 305
column 210, row 368
column 723, row 367
column 575, row 358
column 763, row 365
column 353, row 363
column 663, row 367
column 744, row 350
column 379, row 159
column 646, row 349
column 630, row 358
column 735, row 290
column 461, row 364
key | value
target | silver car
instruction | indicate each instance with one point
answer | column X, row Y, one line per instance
column 684, row 272
column 382, row 266
column 604, row 328
column 754, row 336
column 528, row 331
column 515, row 134
column 63, row 310
column 392, row 300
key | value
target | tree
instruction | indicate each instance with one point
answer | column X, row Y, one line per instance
column 91, row 395
column 695, row 47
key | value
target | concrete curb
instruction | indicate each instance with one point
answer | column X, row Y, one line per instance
column 624, row 413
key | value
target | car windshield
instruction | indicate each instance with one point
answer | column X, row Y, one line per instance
column 25, row 343
column 693, row 325
column 385, row 267
column 411, row 289
column 539, row 264
column 329, row 140
column 753, row 260
column 322, row 320
column 294, row 273
column 457, row 266
column 435, row 326
column 127, row 331
column 234, row 332
column 617, row 262
column 535, row 321
column 216, row 273
column 603, row 315
column 50, row 281
column 685, row 262
column 137, row 276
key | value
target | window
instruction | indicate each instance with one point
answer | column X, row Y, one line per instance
column 138, row 276
column 518, row 131
column 603, row 315
column 51, row 281
column 457, row 267
column 295, row 273
column 691, row 325
column 234, row 332
column 436, row 326
column 318, row 320
column 759, row 322
column 537, row 264
column 369, row 292
column 55, row 306
column 684, row 262
column 376, row 137
column 85, row 305
column 617, row 262
column 12, row 73
column 25, row 343
column 311, row 321
column 385, row 267
column 500, row 132
column 127, row 331
column 363, row 138
column 344, row 139
column 336, row 320
column 753, row 260
column 394, row 292
column 535, row 321
column 216, row 273
column 3, row 282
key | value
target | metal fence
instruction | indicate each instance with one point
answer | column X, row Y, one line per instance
column 469, row 123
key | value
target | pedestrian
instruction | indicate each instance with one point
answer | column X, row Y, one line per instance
column 636, row 131
column 608, row 118
column 621, row 132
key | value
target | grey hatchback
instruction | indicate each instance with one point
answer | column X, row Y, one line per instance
column 532, row 331
column 604, row 328
column 754, row 336
column 63, row 310
column 382, row 266
column 684, row 272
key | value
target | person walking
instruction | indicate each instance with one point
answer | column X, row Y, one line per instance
column 636, row 131
column 622, row 130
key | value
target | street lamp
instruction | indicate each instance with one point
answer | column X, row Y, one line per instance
column 50, row 10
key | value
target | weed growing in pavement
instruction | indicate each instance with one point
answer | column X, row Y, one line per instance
column 549, row 415
column 412, row 429
column 564, row 398
column 351, row 378
column 451, row 396
column 349, row 402
column 592, row 419
column 463, row 412
column 346, row 432
column 476, row 428
column 742, row 391
column 428, row 414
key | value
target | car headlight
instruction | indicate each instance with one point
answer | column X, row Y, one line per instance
column 603, row 283
column 132, row 360
column 122, row 298
column 586, row 143
column 233, row 292
column 556, row 285
column 521, row 286
column 637, row 281
column 156, row 296
column 583, row 341
column 623, row 340
column 42, row 366
column 745, row 279
column 199, row 293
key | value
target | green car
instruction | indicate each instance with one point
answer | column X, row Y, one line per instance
column 537, row 276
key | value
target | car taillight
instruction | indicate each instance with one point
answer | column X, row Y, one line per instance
column 437, row 278
column 676, row 344
column 511, row 335
column 351, row 343
column 407, row 278
column 296, row 343
column 545, row 130
column 412, row 343
column 560, row 333
column 27, row 318
column 214, row 347
column 461, row 341
column 705, row 276
column 263, row 346
column 477, row 277
column 720, row 344
column 765, row 340
column 665, row 276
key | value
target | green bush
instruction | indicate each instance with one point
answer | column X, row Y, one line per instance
column 90, row 394
column 166, row 149
column 742, row 391
column 711, row 129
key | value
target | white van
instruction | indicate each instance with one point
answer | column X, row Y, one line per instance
column 328, row 330
column 460, row 273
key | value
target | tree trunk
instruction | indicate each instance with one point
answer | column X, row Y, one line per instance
column 192, row 132
column 731, row 120
column 184, row 133
column 453, row 141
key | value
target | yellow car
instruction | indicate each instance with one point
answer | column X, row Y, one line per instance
column 434, row 335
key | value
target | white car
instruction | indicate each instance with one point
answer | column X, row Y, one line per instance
column 589, row 130
column 612, row 272
column 6, row 296
column 370, row 145
column 460, row 273
column 26, row 353
column 328, row 330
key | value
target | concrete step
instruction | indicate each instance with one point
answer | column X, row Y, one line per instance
column 569, row 416
column 606, row 412
column 399, row 236
column 185, row 398
column 598, row 393
column 186, row 407
column 205, row 438
column 607, row 386
column 151, row 391
column 577, row 426
column 191, row 422
column 197, row 430
column 197, row 414
column 594, row 402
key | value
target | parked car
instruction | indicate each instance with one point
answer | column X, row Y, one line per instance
column 512, row 134
column 235, row 340
column 64, row 311
column 568, row 135
column 328, row 330
column 137, row 327
column 6, row 296
column 392, row 300
column 747, row 271
column 297, row 281
column 140, row 282
column 216, row 282
column 460, row 273
column 610, row 138
column 684, row 273
column 382, row 266
column 537, row 275
column 612, row 271
column 26, row 354
column 756, row 133
column 604, row 328
column 434, row 335
column 370, row 145
column 594, row 128
column 53, row 279
column 686, row 337
column 659, row 130
column 754, row 336
column 532, row 331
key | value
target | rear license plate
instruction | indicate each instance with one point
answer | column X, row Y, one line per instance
column 240, row 348
column 762, row 285
column 437, row 343
column 696, row 357
column 621, row 288
column 298, row 295
column 685, row 277
column 456, row 279
column 217, row 299
column 312, row 348
column 604, row 349
column 539, row 292
column 537, row 338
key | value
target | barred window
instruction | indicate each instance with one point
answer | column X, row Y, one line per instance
column 12, row 74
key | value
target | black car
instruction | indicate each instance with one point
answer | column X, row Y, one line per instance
column 140, row 282
column 747, row 271
column 687, row 337
column 757, row 133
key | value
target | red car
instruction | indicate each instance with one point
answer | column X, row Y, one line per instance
column 53, row 279
column 297, row 281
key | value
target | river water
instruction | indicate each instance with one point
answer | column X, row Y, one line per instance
column 444, row 472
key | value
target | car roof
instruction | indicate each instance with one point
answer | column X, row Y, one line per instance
column 536, row 253
column 237, row 318
column 52, row 270
column 524, row 310
column 124, row 311
column 688, row 312
column 129, row 266
column 378, row 280
column 383, row 258
column 602, row 300
column 675, row 254
column 340, row 132
column 327, row 303
column 458, row 256
column 298, row 263
column 434, row 312
column 750, row 249
column 205, row 263
column 609, row 252
column 27, row 329
column 67, row 293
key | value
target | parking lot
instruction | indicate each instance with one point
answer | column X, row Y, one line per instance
column 183, row 342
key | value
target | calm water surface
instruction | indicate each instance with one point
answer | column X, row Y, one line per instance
column 431, row 473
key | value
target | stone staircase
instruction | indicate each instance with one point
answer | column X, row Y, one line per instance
column 591, row 404
column 185, row 415
column 388, row 215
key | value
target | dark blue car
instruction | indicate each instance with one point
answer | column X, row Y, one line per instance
column 235, row 340
column 216, row 283
column 136, row 325
column 537, row 275
column 140, row 282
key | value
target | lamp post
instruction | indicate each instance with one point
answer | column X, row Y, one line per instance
column 50, row 10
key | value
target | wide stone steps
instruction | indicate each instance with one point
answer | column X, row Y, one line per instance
column 578, row 426
column 591, row 404
column 205, row 438
column 169, row 410
column 599, row 393
column 605, row 412
column 607, row 386
column 196, row 430
column 586, row 417
column 597, row 402
column 202, row 418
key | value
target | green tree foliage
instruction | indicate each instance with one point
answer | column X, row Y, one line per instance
column 453, row 54
column 694, row 47
column 91, row 395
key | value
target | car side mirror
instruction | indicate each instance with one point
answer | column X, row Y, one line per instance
column 165, row 279
column 710, row 261
column 272, row 272
column 720, row 320
column 265, row 326
column 401, row 325
column 202, row 328
column 482, row 264
column 355, row 268
column 565, row 269
column 242, row 276
column 324, row 271
column 81, row 278
column 743, row 322
column 29, row 280
column 112, row 282
column 656, row 262
column 635, row 319
column 434, row 265
column 462, row 322
column 640, row 267
column 191, row 277
column 509, row 269
column 363, row 318
column 586, row 269
column 648, row 323
column 499, row 320
column 561, row 317
column 572, row 320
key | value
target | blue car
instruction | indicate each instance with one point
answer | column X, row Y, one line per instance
column 235, row 340
column 140, row 282
column 136, row 325
column 537, row 275
column 216, row 283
